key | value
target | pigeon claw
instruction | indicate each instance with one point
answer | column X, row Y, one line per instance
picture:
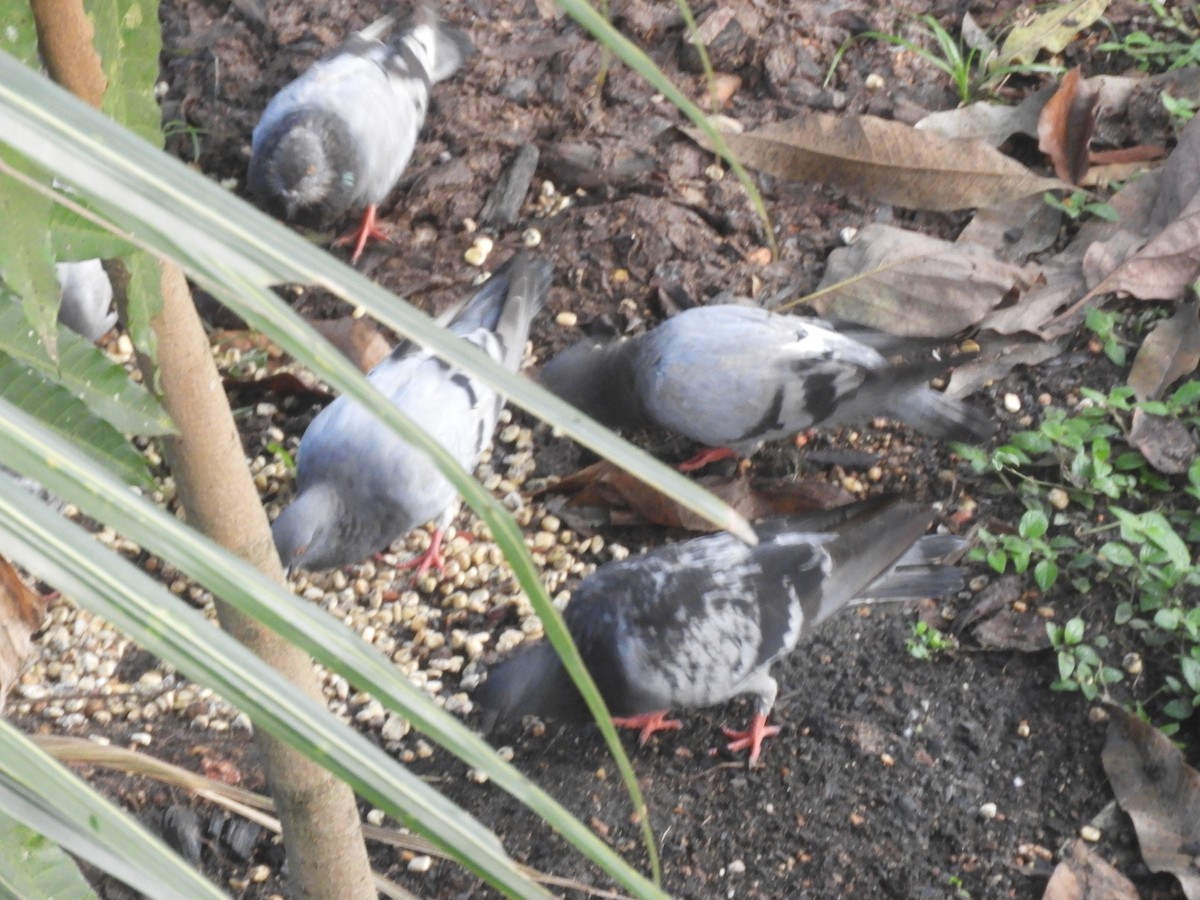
column 649, row 723
column 431, row 558
column 705, row 457
column 367, row 230
column 751, row 738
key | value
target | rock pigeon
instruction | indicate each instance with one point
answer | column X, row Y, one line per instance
column 359, row 487
column 86, row 298
column 338, row 137
column 731, row 376
column 699, row 622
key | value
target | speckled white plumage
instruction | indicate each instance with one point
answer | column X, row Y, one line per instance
column 701, row 621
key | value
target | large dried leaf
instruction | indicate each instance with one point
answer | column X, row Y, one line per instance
column 630, row 501
column 1169, row 352
column 885, row 161
column 989, row 122
column 1160, row 792
column 1082, row 875
column 1066, row 125
column 1166, row 442
column 910, row 284
column 1050, row 30
column 1015, row 231
column 1165, row 265
column 21, row 613
column 993, row 363
column 358, row 339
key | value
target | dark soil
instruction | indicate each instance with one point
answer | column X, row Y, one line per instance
column 877, row 785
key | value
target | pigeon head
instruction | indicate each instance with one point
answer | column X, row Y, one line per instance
column 306, row 173
column 306, row 533
column 595, row 376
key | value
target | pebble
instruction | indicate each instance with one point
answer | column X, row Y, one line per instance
column 737, row 867
column 1090, row 833
column 1012, row 403
column 988, row 810
column 566, row 319
column 422, row 863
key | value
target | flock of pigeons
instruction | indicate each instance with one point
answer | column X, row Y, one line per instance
column 691, row 623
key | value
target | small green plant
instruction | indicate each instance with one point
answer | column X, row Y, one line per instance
column 1079, row 665
column 1077, row 205
column 192, row 132
column 282, row 454
column 970, row 70
column 1028, row 545
column 1097, row 510
column 1103, row 324
column 1181, row 109
column 1153, row 55
column 927, row 642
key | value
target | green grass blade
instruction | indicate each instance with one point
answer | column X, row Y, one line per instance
column 65, row 556
column 38, row 792
column 30, row 447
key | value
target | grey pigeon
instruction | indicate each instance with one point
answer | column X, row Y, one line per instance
column 699, row 622
column 86, row 298
column 338, row 137
column 731, row 376
column 359, row 487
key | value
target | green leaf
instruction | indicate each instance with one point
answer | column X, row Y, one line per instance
column 1168, row 618
column 64, row 413
column 86, row 372
column 26, row 259
column 1191, row 672
column 18, row 37
column 998, row 560
column 129, row 41
column 1032, row 442
column 1066, row 664
column 1123, row 613
column 1109, row 675
column 1020, row 554
column 32, row 866
column 1033, row 524
column 1073, row 631
column 1179, row 708
column 1045, row 573
column 1159, row 530
column 75, row 238
column 1118, row 554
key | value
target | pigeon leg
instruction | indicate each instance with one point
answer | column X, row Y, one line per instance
column 428, row 559
column 705, row 457
column 649, row 723
column 752, row 737
column 366, row 230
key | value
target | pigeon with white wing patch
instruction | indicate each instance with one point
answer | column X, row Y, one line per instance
column 734, row 377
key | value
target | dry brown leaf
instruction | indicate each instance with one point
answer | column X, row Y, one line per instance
column 993, row 363
column 913, row 285
column 1062, row 277
column 358, row 339
column 1011, row 630
column 1015, row 231
column 1141, row 153
column 988, row 122
column 886, row 161
column 1066, row 125
column 631, row 501
column 1166, row 442
column 1104, row 176
column 1169, row 352
column 21, row 613
column 1160, row 792
column 1164, row 266
column 1083, row 875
